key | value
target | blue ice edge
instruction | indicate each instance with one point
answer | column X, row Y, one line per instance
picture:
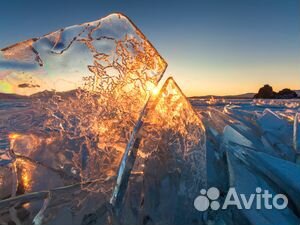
column 127, row 162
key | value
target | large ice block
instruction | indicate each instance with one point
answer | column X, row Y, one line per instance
column 170, row 163
column 69, row 101
column 105, row 52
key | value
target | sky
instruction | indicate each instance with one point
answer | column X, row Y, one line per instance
column 215, row 47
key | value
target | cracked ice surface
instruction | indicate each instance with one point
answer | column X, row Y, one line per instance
column 69, row 102
column 250, row 144
column 170, row 165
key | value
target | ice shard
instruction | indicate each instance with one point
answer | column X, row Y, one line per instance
column 170, row 165
column 270, row 121
column 276, row 135
column 282, row 173
column 69, row 205
column 230, row 135
column 296, row 134
column 69, row 101
column 245, row 180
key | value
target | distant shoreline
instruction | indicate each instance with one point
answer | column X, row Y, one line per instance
column 243, row 96
column 240, row 96
column 4, row 96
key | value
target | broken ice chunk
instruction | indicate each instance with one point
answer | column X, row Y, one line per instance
column 230, row 135
column 65, row 205
column 296, row 134
column 20, row 210
column 245, row 181
column 170, row 168
column 276, row 135
column 5, row 182
column 269, row 121
column 282, row 173
column 107, row 49
column 72, row 98
column 72, row 205
column 75, row 94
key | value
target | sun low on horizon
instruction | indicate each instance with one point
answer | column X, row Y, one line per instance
column 212, row 47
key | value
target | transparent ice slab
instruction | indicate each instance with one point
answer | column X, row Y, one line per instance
column 282, row 173
column 296, row 134
column 169, row 166
column 68, row 103
column 245, row 180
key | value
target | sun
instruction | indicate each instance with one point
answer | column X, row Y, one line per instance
column 155, row 91
column 152, row 88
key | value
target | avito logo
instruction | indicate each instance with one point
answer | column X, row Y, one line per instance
column 261, row 199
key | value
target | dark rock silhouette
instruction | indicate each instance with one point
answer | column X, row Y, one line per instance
column 287, row 93
column 266, row 92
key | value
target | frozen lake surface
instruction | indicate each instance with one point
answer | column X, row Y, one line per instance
column 249, row 144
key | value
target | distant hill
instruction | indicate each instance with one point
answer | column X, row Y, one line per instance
column 44, row 94
column 11, row 96
column 241, row 96
column 49, row 94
